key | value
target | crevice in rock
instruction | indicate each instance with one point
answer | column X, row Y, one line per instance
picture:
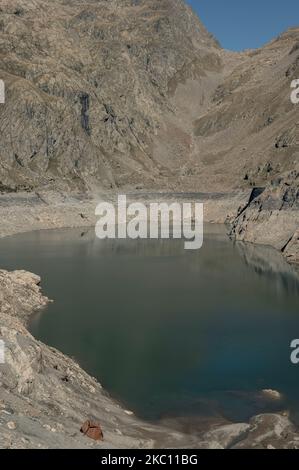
column 85, row 104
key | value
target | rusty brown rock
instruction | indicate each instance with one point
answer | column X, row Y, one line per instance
column 92, row 430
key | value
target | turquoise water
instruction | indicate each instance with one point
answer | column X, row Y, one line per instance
column 169, row 333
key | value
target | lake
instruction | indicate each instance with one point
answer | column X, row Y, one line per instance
column 169, row 333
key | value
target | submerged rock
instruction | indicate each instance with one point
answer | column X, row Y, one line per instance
column 272, row 394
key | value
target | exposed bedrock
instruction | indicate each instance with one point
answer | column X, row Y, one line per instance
column 273, row 217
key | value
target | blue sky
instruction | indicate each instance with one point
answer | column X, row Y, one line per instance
column 241, row 24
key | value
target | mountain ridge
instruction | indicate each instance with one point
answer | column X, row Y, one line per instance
column 133, row 93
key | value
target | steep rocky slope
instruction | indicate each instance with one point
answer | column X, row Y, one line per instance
column 273, row 217
column 249, row 134
column 102, row 94
column 88, row 90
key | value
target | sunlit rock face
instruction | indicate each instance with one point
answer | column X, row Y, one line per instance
column 106, row 94
column 88, row 87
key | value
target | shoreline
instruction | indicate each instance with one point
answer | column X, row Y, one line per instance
column 246, row 221
column 45, row 396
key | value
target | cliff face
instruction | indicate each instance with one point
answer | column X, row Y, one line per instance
column 249, row 135
column 88, row 87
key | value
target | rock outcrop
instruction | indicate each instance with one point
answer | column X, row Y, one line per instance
column 273, row 217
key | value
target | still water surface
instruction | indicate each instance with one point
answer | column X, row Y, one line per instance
column 169, row 332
